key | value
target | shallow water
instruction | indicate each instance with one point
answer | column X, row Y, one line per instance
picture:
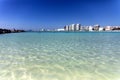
column 60, row 56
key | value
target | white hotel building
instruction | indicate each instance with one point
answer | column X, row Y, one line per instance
column 73, row 27
column 78, row 26
column 90, row 28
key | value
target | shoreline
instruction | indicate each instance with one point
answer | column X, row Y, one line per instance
column 78, row 31
column 6, row 31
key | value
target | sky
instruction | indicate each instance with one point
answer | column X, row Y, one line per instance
column 36, row 14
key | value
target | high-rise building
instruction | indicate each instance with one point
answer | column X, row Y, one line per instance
column 73, row 27
column 77, row 27
column 66, row 28
column 70, row 27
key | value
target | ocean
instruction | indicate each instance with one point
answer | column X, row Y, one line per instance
column 60, row 56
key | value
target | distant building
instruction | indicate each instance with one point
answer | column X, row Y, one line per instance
column 43, row 30
column 116, row 28
column 101, row 29
column 70, row 27
column 96, row 27
column 90, row 28
column 108, row 28
column 82, row 28
column 48, row 30
column 73, row 27
column 60, row 29
column 77, row 27
column 86, row 28
column 66, row 28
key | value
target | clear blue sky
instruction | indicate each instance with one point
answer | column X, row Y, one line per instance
column 34, row 14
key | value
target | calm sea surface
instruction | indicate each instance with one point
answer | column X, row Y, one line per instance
column 60, row 56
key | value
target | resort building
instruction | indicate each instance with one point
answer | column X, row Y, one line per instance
column 82, row 28
column 116, row 28
column 108, row 28
column 87, row 28
column 101, row 29
column 70, row 27
column 77, row 27
column 96, row 27
column 43, row 29
column 90, row 28
column 60, row 29
column 73, row 27
column 66, row 28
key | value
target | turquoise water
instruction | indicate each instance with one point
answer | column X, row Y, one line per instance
column 60, row 56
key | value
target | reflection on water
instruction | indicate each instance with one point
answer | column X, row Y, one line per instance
column 60, row 56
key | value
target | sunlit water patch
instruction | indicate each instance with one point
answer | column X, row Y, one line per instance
column 60, row 56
